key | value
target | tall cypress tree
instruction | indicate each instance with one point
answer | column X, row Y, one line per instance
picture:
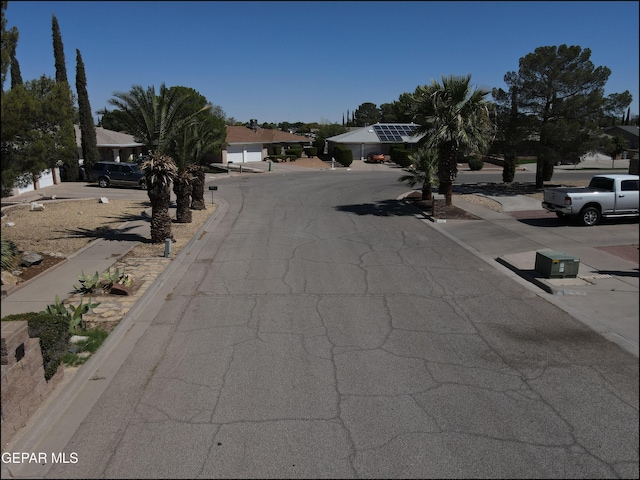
column 58, row 52
column 8, row 43
column 87, row 127
column 16, row 76
column 69, row 163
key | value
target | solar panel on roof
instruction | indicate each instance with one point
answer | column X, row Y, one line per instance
column 393, row 132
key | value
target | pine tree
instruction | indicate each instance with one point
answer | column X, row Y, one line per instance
column 626, row 122
column 87, row 127
column 58, row 52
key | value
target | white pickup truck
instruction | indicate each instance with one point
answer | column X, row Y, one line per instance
column 606, row 196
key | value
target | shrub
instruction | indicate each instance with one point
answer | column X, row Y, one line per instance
column 297, row 151
column 318, row 144
column 475, row 163
column 53, row 335
column 401, row 157
column 311, row 151
column 276, row 149
column 343, row 155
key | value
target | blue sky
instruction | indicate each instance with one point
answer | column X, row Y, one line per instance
column 313, row 61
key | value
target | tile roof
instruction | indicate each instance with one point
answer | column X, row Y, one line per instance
column 110, row 138
column 241, row 134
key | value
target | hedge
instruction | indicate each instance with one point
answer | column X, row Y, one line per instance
column 400, row 156
column 53, row 334
column 343, row 155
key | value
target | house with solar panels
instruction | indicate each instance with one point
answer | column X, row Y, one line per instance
column 376, row 138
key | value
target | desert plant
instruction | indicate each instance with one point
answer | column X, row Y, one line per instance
column 9, row 253
column 76, row 312
column 454, row 118
column 197, row 194
column 88, row 283
column 73, row 314
column 423, row 170
column 57, row 308
column 110, row 278
column 160, row 170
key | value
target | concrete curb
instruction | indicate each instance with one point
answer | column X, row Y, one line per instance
column 72, row 400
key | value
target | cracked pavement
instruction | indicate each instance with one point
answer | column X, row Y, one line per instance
column 309, row 340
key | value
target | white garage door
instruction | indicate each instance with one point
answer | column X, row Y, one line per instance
column 251, row 152
column 46, row 178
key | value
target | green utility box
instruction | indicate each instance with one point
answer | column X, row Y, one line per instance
column 557, row 265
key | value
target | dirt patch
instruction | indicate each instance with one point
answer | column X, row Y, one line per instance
column 27, row 273
column 66, row 226
column 438, row 209
column 313, row 162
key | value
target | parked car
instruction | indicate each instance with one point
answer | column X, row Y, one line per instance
column 375, row 158
column 117, row 173
column 606, row 196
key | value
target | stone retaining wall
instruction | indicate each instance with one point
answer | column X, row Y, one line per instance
column 23, row 387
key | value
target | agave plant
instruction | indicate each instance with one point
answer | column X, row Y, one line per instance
column 110, row 278
column 88, row 283
column 9, row 253
column 76, row 312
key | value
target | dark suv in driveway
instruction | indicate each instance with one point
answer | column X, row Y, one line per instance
column 117, row 173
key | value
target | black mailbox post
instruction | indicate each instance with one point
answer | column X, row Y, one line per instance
column 212, row 188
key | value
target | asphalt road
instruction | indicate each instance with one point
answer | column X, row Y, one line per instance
column 323, row 331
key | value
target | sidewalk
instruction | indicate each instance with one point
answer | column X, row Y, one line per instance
column 604, row 294
column 99, row 255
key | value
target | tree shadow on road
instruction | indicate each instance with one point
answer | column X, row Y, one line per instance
column 384, row 208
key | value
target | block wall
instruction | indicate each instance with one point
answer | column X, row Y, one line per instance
column 23, row 388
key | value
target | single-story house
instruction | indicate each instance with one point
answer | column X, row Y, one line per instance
column 254, row 144
column 628, row 132
column 377, row 138
column 113, row 146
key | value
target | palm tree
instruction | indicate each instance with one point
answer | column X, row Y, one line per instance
column 158, row 121
column 423, row 170
column 197, row 138
column 197, row 194
column 454, row 119
column 160, row 171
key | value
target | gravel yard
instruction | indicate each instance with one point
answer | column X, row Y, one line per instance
column 66, row 226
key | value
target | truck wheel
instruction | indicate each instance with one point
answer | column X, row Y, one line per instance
column 103, row 182
column 590, row 216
